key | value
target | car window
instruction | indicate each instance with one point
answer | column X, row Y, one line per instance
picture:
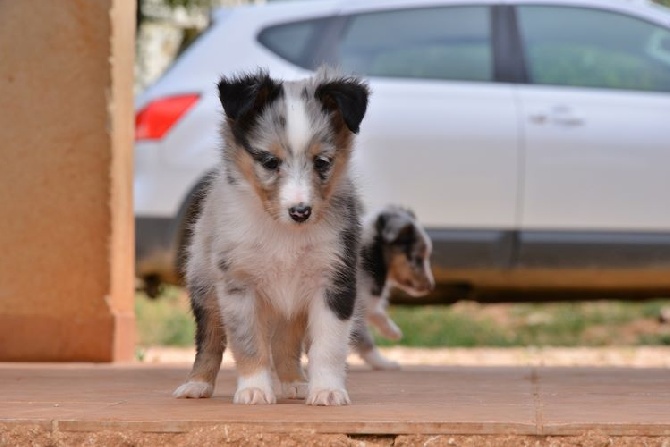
column 293, row 41
column 438, row 43
column 594, row 48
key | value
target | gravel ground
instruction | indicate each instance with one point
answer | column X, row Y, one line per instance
column 252, row 436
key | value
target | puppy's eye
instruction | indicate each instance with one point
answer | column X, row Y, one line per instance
column 270, row 163
column 322, row 164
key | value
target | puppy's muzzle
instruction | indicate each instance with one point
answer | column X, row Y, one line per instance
column 300, row 212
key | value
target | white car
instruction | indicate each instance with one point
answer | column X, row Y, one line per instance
column 531, row 137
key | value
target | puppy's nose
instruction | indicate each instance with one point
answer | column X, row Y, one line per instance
column 300, row 212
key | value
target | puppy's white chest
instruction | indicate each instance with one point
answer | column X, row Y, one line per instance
column 289, row 273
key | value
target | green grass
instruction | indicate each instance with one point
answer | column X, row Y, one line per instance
column 168, row 321
column 164, row 321
column 441, row 326
column 554, row 324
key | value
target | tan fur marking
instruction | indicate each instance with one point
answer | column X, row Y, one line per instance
column 287, row 349
column 245, row 164
column 339, row 169
column 340, row 162
column 343, row 137
column 208, row 358
column 403, row 273
column 313, row 150
column 399, row 269
column 278, row 150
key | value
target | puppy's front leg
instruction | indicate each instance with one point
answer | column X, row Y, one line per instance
column 377, row 315
column 386, row 326
column 248, row 331
column 329, row 331
column 287, row 345
column 210, row 342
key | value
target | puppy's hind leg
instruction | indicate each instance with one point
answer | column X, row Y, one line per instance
column 287, row 346
column 210, row 342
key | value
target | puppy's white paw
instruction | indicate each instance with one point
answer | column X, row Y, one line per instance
column 377, row 361
column 294, row 390
column 254, row 396
column 194, row 389
column 324, row 396
column 392, row 331
column 385, row 365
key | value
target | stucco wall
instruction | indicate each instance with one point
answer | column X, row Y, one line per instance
column 66, row 235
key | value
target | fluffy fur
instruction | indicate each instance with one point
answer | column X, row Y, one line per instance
column 273, row 257
column 395, row 252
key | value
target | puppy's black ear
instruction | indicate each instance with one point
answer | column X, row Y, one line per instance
column 348, row 97
column 399, row 233
column 395, row 227
column 380, row 223
column 244, row 97
column 406, row 235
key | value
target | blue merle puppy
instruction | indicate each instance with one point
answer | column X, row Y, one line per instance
column 395, row 252
column 273, row 257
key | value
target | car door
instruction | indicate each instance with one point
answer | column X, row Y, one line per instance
column 596, row 136
column 440, row 135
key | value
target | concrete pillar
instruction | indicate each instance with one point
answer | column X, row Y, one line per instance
column 66, row 232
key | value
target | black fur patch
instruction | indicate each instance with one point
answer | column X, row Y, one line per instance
column 380, row 223
column 341, row 296
column 244, row 98
column 230, row 179
column 280, row 122
column 188, row 217
column 374, row 264
column 198, row 295
column 235, row 289
column 406, row 236
column 224, row 262
column 348, row 97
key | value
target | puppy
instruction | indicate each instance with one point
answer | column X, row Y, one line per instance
column 273, row 257
column 395, row 252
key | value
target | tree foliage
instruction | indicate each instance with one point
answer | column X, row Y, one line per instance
column 140, row 16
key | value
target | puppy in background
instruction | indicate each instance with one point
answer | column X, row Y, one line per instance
column 395, row 252
column 273, row 257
